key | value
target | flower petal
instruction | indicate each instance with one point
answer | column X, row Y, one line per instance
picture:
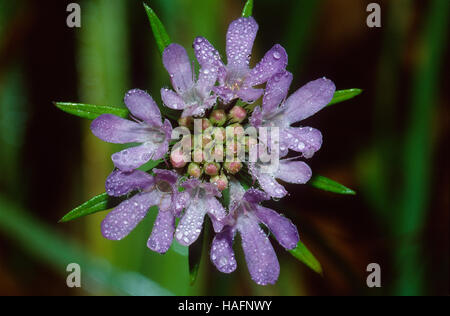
column 166, row 175
column 143, row 107
column 240, row 37
column 255, row 196
column 273, row 62
column 296, row 172
column 125, row 217
column 190, row 225
column 283, row 229
column 134, row 157
column 114, row 129
column 206, row 54
column 261, row 259
column 207, row 78
column 216, row 212
column 257, row 117
column 306, row 140
column 222, row 254
column 172, row 100
column 249, row 95
column 276, row 91
column 162, row 233
column 177, row 63
column 236, row 193
column 267, row 182
column 120, row 183
column 309, row 99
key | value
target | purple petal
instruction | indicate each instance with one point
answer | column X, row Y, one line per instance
column 191, row 183
column 225, row 93
column 162, row 233
column 237, row 193
column 166, row 175
column 172, row 100
column 284, row 231
column 206, row 54
column 305, row 140
column 207, row 78
column 216, row 212
column 114, row 129
column 293, row 172
column 125, row 217
column 240, row 37
column 222, row 254
column 276, row 91
column 273, row 62
column 134, row 157
column 178, row 65
column 268, row 182
column 120, row 183
column 180, row 200
column 249, row 95
column 190, row 225
column 143, row 107
column 257, row 117
column 255, row 196
column 309, row 99
column 261, row 259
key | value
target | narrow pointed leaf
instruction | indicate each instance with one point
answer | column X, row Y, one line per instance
column 329, row 185
column 90, row 111
column 97, row 204
column 344, row 95
column 103, row 201
column 304, row 255
column 248, row 9
column 159, row 31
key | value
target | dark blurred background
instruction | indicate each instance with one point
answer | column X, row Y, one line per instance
column 389, row 144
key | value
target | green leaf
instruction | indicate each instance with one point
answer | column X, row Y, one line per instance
column 195, row 256
column 159, row 31
column 329, row 185
column 304, row 255
column 225, row 199
column 248, row 9
column 102, row 201
column 97, row 204
column 344, row 95
column 90, row 111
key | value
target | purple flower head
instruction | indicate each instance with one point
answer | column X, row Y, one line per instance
column 290, row 171
column 282, row 113
column 194, row 98
column 236, row 79
column 147, row 129
column 246, row 215
column 159, row 190
column 201, row 200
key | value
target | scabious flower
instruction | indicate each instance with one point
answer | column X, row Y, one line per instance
column 201, row 199
column 277, row 111
column 159, row 190
column 194, row 98
column 193, row 190
column 236, row 79
column 246, row 215
column 146, row 129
